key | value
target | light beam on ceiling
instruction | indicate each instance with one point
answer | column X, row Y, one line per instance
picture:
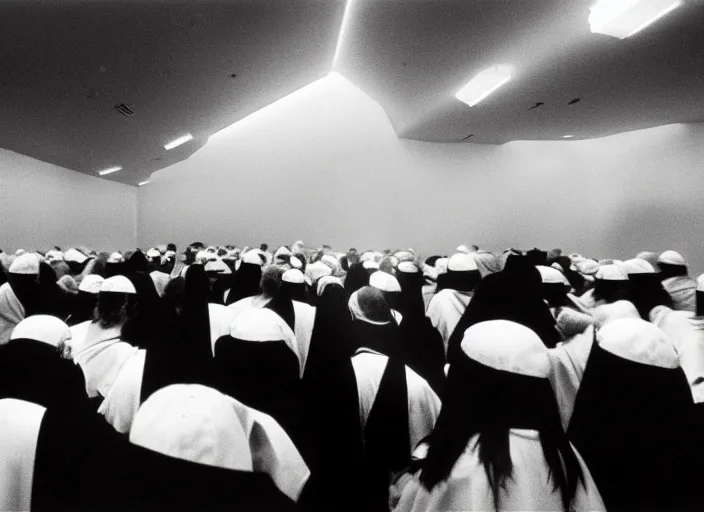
column 343, row 32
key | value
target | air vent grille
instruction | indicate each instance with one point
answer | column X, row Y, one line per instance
column 124, row 110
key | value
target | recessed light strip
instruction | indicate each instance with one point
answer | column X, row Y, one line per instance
column 624, row 18
column 655, row 18
column 110, row 170
column 567, row 136
column 181, row 140
column 482, row 85
column 143, row 182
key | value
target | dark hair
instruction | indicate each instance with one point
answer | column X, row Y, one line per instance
column 110, row 307
column 264, row 247
column 271, row 280
column 171, row 247
column 174, row 292
column 480, row 400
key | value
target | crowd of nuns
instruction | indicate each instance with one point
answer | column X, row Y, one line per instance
column 227, row 379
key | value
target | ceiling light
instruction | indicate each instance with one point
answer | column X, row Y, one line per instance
column 623, row 18
column 143, row 182
column 343, row 32
column 110, row 170
column 181, row 140
column 483, row 85
column 567, row 136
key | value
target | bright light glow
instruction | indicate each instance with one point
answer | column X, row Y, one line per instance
column 343, row 31
column 110, row 170
column 567, row 136
column 483, row 85
column 143, row 182
column 181, row 140
column 623, row 18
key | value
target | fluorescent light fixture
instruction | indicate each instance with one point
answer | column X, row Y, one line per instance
column 623, row 18
column 143, row 182
column 181, row 140
column 567, row 136
column 483, row 85
column 110, row 170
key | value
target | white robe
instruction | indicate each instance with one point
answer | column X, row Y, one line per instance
column 687, row 334
column 11, row 312
column 467, row 487
column 683, row 290
column 20, row 422
column 221, row 319
column 568, row 361
column 122, row 402
column 423, row 404
column 100, row 353
column 445, row 310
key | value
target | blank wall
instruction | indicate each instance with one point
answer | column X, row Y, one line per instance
column 42, row 205
column 324, row 165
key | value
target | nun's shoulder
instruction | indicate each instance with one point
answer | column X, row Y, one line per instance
column 79, row 331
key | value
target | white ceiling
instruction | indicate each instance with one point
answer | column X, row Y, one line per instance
column 65, row 64
column 413, row 56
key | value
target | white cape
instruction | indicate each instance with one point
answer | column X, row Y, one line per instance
column 20, row 422
column 445, row 310
column 467, row 487
column 423, row 403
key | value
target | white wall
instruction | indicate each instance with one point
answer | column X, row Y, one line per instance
column 42, row 205
column 325, row 166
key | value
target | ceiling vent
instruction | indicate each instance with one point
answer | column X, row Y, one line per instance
column 124, row 110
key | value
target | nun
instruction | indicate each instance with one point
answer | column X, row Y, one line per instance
column 632, row 418
column 610, row 285
column 203, row 450
column 291, row 306
column 498, row 443
column 245, row 281
column 114, row 265
column 20, row 296
column 98, row 346
column 646, row 290
column 391, row 289
column 76, row 260
column 357, row 277
column 569, row 359
column 687, row 334
column 454, row 291
column 555, row 290
column 35, row 365
column 86, row 300
column 259, row 364
column 513, row 294
column 182, row 353
column 674, row 277
column 397, row 407
column 424, row 348
column 191, row 448
column 331, row 406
